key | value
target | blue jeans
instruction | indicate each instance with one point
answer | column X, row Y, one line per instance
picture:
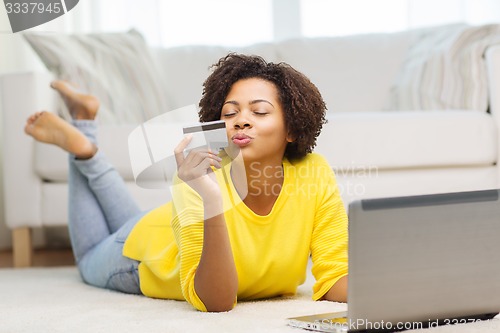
column 101, row 215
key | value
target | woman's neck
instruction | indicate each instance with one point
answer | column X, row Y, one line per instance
column 258, row 183
column 264, row 179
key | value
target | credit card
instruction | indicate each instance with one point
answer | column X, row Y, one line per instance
column 210, row 134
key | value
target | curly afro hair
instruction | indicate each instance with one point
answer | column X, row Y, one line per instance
column 303, row 106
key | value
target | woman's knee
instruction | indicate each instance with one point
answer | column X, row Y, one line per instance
column 125, row 281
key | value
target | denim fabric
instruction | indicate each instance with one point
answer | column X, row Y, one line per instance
column 101, row 215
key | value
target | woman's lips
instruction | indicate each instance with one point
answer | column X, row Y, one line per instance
column 241, row 140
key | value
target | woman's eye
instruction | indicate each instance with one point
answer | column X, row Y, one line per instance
column 261, row 113
column 229, row 114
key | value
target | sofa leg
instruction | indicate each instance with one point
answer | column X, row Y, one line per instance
column 22, row 247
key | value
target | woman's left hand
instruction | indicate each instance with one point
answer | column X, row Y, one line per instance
column 196, row 169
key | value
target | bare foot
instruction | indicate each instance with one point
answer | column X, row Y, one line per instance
column 49, row 128
column 80, row 105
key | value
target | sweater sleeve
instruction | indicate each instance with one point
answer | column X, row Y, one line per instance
column 329, row 236
column 187, row 226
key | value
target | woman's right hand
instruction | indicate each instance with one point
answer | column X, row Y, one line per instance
column 195, row 169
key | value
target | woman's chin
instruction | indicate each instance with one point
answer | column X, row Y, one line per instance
column 232, row 150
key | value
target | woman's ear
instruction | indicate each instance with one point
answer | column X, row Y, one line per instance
column 290, row 137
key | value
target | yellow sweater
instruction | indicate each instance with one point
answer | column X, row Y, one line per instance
column 270, row 252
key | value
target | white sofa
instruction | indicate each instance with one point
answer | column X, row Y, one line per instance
column 375, row 152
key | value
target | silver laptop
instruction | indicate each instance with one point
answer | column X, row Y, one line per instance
column 419, row 261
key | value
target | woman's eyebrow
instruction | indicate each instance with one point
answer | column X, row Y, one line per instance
column 255, row 101
column 261, row 101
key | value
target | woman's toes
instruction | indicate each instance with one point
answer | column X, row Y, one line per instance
column 80, row 105
column 49, row 128
column 64, row 87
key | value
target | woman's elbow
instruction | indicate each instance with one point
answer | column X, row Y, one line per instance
column 338, row 292
column 335, row 298
column 220, row 306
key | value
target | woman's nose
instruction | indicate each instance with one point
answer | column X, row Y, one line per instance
column 240, row 124
column 242, row 121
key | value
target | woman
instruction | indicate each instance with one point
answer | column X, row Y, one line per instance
column 241, row 224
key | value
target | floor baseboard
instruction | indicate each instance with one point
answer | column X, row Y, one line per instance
column 42, row 258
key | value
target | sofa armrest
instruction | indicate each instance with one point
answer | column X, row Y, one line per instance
column 493, row 71
column 21, row 95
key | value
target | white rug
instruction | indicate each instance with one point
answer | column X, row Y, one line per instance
column 56, row 300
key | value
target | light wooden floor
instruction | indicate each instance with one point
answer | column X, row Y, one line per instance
column 42, row 258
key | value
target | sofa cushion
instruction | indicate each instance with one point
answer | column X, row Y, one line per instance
column 116, row 67
column 54, row 201
column 445, row 69
column 353, row 73
column 54, row 196
column 408, row 139
column 405, row 182
column 350, row 142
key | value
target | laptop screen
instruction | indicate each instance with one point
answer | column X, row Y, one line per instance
column 422, row 258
